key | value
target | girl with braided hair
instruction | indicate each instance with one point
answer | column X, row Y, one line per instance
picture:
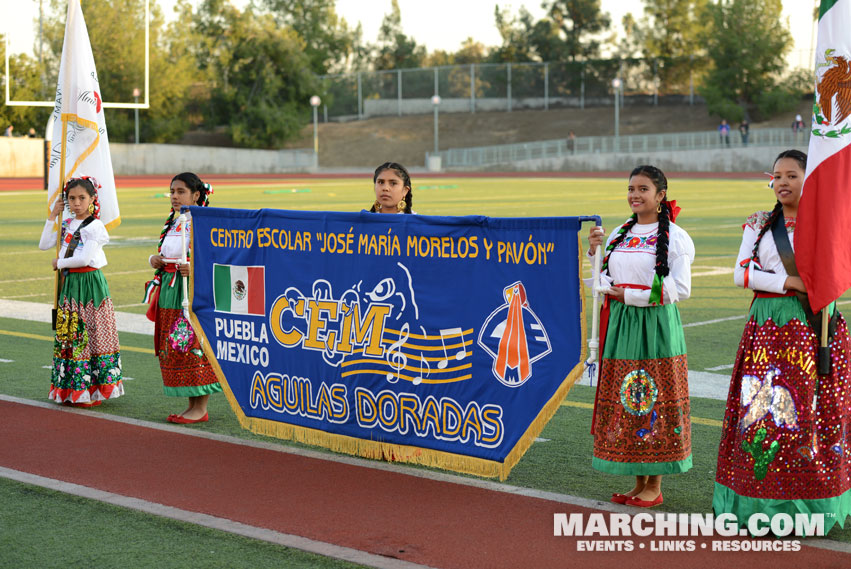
column 86, row 357
column 786, row 434
column 185, row 369
column 641, row 421
column 393, row 192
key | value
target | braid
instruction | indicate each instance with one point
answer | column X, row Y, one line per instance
column 624, row 229
column 168, row 222
column 775, row 213
column 663, row 234
column 96, row 203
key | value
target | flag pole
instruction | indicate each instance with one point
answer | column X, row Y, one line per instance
column 185, row 280
column 824, row 347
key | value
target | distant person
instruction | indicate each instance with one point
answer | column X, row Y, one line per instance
column 784, row 447
column 31, row 133
column 641, row 422
column 744, row 131
column 8, row 131
column 798, row 124
column 724, row 132
column 186, row 371
column 86, row 366
column 393, row 192
column 571, row 142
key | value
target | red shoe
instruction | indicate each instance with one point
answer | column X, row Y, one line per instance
column 184, row 421
column 620, row 498
column 638, row 503
column 171, row 417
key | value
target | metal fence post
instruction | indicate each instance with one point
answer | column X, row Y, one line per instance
column 546, row 86
column 508, row 90
column 360, row 99
column 473, row 88
column 399, row 89
column 436, row 75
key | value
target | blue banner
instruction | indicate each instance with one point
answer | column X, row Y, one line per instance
column 447, row 341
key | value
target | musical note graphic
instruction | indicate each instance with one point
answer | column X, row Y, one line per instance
column 460, row 355
column 419, row 378
column 395, row 358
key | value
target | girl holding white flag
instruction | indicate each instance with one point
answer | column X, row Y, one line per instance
column 185, row 369
column 86, row 358
column 786, row 442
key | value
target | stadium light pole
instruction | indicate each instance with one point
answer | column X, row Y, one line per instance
column 136, row 94
column 616, row 85
column 435, row 101
column 315, row 101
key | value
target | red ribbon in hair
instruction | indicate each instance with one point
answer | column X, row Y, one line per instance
column 673, row 210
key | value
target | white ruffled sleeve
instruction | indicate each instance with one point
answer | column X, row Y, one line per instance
column 752, row 276
column 94, row 236
column 677, row 285
column 48, row 235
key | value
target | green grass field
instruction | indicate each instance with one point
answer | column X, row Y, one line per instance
column 713, row 212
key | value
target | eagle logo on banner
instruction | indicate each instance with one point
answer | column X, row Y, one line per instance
column 514, row 337
column 833, row 95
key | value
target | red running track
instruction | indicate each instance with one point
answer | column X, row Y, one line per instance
column 421, row 520
column 16, row 184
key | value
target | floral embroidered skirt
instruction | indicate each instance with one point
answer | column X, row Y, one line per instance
column 641, row 415
column 786, row 441
column 185, row 369
column 86, row 357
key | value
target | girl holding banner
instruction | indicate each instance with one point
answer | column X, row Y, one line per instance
column 185, row 369
column 86, row 358
column 785, row 446
column 641, row 421
column 393, row 192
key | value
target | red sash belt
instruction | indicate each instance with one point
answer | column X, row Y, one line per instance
column 82, row 270
column 763, row 294
column 171, row 267
column 604, row 326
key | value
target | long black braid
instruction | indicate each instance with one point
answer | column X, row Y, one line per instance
column 663, row 233
column 402, row 172
column 801, row 159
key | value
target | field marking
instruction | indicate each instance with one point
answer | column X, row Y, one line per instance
column 53, row 277
column 698, row 420
column 719, row 368
column 213, row 522
column 714, row 321
column 712, row 271
column 50, row 339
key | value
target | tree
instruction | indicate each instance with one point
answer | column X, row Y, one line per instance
column 328, row 41
column 515, row 32
column 395, row 50
column 258, row 73
column 117, row 34
column 578, row 22
column 26, row 85
column 672, row 33
column 746, row 45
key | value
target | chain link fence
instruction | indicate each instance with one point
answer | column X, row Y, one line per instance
column 509, row 86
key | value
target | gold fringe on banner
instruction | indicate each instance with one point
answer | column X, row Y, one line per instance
column 391, row 452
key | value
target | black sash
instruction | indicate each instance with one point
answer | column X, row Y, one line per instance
column 72, row 246
column 787, row 255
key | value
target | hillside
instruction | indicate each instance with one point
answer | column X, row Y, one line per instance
column 406, row 139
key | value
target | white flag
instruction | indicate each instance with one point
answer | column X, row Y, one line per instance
column 80, row 146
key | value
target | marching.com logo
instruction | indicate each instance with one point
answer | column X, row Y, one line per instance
column 670, row 525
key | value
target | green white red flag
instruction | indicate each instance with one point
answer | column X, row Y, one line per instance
column 80, row 145
column 822, row 254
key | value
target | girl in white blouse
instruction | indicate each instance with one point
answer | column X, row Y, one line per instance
column 641, row 421
column 86, row 358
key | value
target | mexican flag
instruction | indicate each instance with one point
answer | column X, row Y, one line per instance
column 239, row 289
column 80, row 142
column 822, row 253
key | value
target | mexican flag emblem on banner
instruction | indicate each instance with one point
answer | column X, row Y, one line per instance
column 239, row 290
column 822, row 254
